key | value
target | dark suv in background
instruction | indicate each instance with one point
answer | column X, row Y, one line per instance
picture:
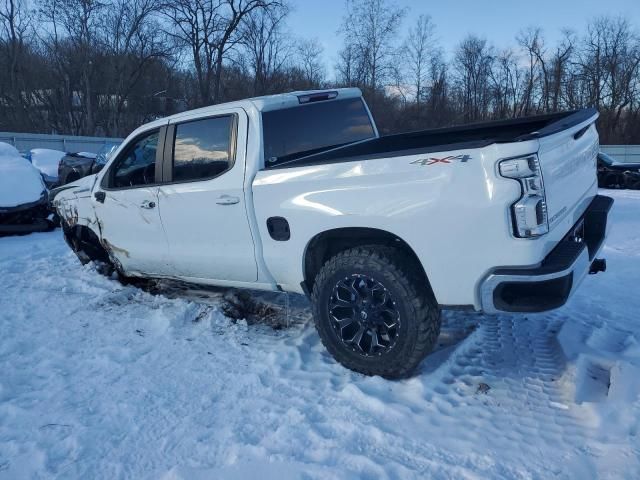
column 74, row 166
column 614, row 174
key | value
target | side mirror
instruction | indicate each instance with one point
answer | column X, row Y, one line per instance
column 100, row 196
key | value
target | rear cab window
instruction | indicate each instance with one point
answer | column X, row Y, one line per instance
column 303, row 130
column 202, row 148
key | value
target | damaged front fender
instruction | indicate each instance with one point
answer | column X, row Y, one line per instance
column 68, row 213
column 113, row 252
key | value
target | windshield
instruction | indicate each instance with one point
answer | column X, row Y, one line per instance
column 299, row 131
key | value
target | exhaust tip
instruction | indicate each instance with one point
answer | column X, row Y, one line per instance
column 597, row 266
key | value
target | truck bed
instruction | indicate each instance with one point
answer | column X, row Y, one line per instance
column 476, row 135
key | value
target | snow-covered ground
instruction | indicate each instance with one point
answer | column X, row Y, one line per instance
column 99, row 380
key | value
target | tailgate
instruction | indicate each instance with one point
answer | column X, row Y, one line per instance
column 567, row 154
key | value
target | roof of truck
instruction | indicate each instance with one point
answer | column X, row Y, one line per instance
column 262, row 104
column 291, row 99
column 270, row 102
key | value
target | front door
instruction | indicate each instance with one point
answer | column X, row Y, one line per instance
column 202, row 202
column 126, row 206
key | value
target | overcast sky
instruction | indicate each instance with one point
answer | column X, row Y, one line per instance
column 497, row 20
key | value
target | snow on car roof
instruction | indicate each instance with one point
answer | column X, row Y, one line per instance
column 46, row 160
column 20, row 182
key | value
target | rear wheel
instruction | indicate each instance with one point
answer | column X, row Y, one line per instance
column 374, row 311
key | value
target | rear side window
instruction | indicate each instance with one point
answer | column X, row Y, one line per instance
column 202, row 149
column 295, row 132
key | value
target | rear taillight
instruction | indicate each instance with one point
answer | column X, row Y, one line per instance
column 529, row 213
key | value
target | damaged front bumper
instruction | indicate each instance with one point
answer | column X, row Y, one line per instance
column 26, row 218
column 549, row 285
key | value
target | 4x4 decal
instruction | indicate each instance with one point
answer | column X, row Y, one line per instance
column 449, row 159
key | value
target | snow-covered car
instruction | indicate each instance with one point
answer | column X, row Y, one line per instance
column 74, row 166
column 23, row 195
column 298, row 193
column 47, row 161
column 614, row 174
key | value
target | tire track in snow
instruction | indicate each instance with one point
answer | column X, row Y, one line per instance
column 211, row 394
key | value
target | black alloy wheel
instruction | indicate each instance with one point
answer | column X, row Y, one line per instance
column 364, row 315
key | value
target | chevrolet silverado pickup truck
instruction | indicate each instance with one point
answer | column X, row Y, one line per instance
column 298, row 192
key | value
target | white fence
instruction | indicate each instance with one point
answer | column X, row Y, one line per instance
column 65, row 143
column 623, row 153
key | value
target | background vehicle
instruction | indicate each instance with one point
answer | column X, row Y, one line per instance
column 23, row 195
column 74, row 166
column 103, row 156
column 613, row 174
column 47, row 161
column 298, row 192
column 77, row 165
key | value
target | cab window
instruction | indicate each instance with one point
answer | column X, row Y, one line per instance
column 202, row 149
column 306, row 129
column 136, row 166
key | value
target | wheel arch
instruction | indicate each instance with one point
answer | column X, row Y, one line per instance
column 328, row 243
column 85, row 242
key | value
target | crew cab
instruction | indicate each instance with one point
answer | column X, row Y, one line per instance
column 298, row 192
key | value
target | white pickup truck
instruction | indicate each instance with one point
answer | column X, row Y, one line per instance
column 298, row 192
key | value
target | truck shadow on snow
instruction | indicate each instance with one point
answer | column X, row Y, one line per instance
column 279, row 310
column 476, row 353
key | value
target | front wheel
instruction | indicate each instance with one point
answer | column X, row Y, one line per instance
column 374, row 312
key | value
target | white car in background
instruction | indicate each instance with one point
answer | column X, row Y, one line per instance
column 23, row 195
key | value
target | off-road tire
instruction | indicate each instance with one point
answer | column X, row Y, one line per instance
column 419, row 311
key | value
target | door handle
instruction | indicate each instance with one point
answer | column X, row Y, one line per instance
column 148, row 204
column 227, row 200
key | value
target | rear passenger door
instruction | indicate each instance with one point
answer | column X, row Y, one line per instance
column 201, row 199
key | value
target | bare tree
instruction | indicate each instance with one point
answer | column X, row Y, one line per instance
column 132, row 40
column 105, row 66
column 265, row 46
column 350, row 68
column 560, row 65
column 72, row 42
column 473, row 61
column 310, row 62
column 505, row 84
column 419, row 48
column 438, row 101
column 532, row 42
column 370, row 28
column 209, row 29
column 609, row 62
column 15, row 36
